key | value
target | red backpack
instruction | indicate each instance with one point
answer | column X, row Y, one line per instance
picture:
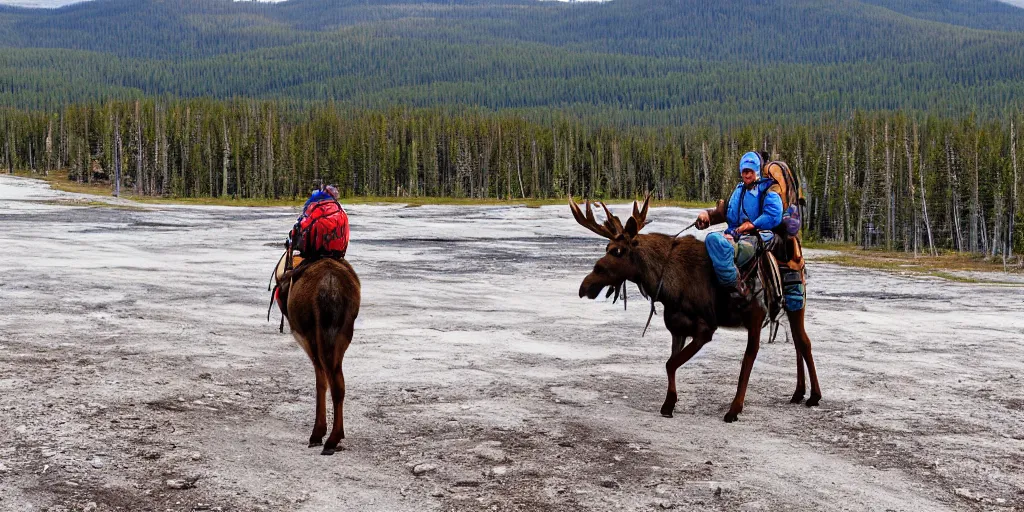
column 323, row 229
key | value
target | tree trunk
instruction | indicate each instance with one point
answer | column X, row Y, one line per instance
column 519, row 167
column 117, row 156
column 924, row 200
column 911, row 192
column 828, row 174
column 954, row 192
column 705, row 176
column 225, row 160
column 7, row 151
column 49, row 147
column 849, row 161
column 864, row 195
column 138, row 150
column 975, row 207
column 87, row 164
column 1014, row 206
column 890, row 216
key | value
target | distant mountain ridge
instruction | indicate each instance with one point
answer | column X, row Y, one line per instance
column 640, row 60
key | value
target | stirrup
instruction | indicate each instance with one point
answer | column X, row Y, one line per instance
column 739, row 294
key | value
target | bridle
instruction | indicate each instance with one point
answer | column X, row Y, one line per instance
column 661, row 279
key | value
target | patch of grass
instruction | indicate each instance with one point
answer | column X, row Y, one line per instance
column 942, row 266
column 59, row 181
column 832, row 246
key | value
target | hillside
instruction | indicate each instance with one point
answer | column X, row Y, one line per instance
column 627, row 61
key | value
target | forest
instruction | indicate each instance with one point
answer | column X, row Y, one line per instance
column 901, row 117
column 625, row 62
column 878, row 179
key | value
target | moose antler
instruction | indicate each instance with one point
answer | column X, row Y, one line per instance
column 609, row 229
column 640, row 214
column 638, row 220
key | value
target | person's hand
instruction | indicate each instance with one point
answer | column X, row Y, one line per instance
column 703, row 220
column 746, row 227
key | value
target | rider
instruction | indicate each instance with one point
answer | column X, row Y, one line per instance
column 328, row 193
column 752, row 209
column 322, row 228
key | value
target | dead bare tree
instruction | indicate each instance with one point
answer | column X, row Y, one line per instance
column 954, row 194
column 924, row 200
column 138, row 150
column 864, row 194
column 117, row 156
column 849, row 162
column 973, row 231
column 49, row 147
column 911, row 192
column 890, row 200
column 225, row 159
column 1013, row 198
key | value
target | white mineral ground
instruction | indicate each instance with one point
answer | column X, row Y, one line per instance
column 138, row 371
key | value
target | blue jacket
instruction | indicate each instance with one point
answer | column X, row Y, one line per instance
column 763, row 219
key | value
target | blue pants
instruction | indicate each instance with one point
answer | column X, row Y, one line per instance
column 726, row 255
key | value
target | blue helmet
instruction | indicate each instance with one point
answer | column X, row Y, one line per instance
column 751, row 160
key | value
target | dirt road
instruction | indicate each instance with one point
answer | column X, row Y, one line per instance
column 138, row 372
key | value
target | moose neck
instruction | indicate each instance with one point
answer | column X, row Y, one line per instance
column 679, row 266
column 651, row 256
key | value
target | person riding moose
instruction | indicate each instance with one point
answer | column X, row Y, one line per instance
column 753, row 211
column 321, row 231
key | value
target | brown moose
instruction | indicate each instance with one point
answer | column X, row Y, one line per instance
column 694, row 306
column 321, row 301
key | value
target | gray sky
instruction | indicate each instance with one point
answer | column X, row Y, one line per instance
column 58, row 3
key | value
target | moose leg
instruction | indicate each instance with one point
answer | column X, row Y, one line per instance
column 753, row 344
column 320, row 425
column 678, row 342
column 803, row 344
column 798, row 395
column 338, row 396
column 678, row 358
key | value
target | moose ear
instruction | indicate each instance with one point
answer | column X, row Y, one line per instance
column 632, row 228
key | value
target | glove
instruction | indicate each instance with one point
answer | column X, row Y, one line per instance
column 703, row 221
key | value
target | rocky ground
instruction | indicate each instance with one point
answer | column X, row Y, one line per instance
column 138, row 371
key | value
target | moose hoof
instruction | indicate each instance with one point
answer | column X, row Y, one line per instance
column 315, row 442
column 327, row 451
column 731, row 417
column 669, row 405
column 813, row 400
column 797, row 397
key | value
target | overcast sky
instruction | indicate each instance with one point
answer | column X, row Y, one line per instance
column 58, row 3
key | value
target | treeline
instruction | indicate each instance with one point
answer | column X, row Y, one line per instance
column 651, row 62
column 914, row 183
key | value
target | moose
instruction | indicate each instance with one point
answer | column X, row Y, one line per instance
column 677, row 272
column 320, row 299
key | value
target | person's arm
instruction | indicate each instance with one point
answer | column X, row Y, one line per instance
column 711, row 216
column 771, row 215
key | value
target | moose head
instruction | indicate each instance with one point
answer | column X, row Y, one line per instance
column 618, row 265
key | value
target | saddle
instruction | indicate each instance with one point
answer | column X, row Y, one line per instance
column 289, row 268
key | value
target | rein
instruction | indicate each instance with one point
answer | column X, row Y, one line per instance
column 661, row 279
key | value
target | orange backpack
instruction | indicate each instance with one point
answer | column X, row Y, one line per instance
column 786, row 184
